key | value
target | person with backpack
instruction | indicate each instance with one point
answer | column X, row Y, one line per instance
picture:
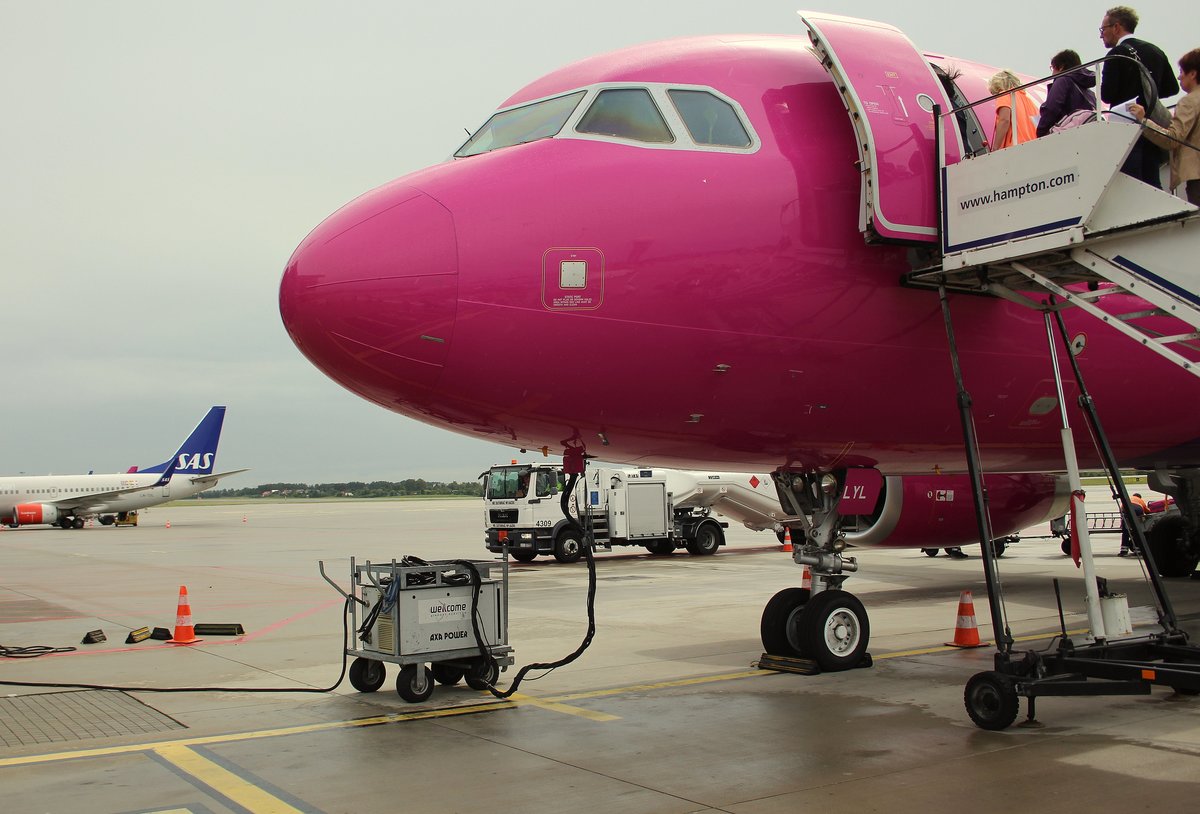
column 1070, row 91
column 1122, row 83
column 1181, row 138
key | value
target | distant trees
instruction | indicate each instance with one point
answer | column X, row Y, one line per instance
column 359, row 489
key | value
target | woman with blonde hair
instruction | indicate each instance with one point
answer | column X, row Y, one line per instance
column 1025, row 111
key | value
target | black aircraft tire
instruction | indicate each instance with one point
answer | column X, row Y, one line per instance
column 835, row 630
column 991, row 700
column 367, row 675
column 779, row 628
column 930, row 552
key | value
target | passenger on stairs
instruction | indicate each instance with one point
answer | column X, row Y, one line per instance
column 1182, row 137
column 1006, row 120
column 1122, row 83
column 1068, row 92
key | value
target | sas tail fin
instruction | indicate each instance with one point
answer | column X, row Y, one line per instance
column 198, row 453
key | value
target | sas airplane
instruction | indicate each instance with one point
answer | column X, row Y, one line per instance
column 695, row 254
column 68, row 500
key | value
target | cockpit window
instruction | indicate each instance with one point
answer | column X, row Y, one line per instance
column 625, row 113
column 710, row 120
column 522, row 124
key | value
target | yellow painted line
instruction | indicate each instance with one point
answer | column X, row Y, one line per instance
column 554, row 703
column 255, row 735
column 662, row 685
column 925, row 651
column 238, row 789
column 555, row 706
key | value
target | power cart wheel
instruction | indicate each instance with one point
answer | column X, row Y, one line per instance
column 991, row 700
column 706, row 542
column 568, row 546
column 779, row 629
column 367, row 675
column 482, row 674
column 415, row 683
column 447, row 674
column 834, row 630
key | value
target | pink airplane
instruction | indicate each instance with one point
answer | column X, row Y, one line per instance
column 657, row 256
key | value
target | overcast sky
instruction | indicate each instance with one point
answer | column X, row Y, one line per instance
column 161, row 160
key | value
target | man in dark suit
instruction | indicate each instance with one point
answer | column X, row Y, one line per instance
column 1122, row 82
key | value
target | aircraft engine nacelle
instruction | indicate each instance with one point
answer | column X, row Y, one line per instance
column 34, row 513
column 938, row 511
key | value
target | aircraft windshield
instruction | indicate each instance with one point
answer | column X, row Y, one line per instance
column 522, row 124
column 508, row 482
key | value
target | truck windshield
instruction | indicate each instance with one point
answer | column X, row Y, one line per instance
column 522, row 124
column 508, row 482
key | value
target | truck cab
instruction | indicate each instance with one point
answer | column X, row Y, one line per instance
column 660, row 509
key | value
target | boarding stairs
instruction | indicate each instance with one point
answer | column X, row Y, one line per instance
column 1055, row 219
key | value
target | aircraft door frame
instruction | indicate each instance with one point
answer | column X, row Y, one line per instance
column 889, row 89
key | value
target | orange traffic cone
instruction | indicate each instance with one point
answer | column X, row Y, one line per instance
column 787, row 539
column 966, row 632
column 168, row 524
column 185, row 631
column 806, row 578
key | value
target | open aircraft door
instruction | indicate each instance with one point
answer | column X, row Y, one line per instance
column 889, row 89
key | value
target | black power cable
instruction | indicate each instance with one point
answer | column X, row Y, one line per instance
column 121, row 688
column 476, row 582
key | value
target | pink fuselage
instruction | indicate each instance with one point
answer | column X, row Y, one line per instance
column 741, row 322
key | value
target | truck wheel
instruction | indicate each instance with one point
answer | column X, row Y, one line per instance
column 930, row 552
column 779, row 627
column 415, row 683
column 568, row 546
column 707, row 540
column 523, row 555
column 367, row 675
column 661, row 548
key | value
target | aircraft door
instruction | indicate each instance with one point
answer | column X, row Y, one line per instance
column 889, row 90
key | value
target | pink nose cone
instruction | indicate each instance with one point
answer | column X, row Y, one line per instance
column 371, row 294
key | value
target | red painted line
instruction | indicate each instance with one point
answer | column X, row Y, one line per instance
column 316, row 608
column 207, row 642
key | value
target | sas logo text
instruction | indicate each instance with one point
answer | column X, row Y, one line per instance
column 197, row 461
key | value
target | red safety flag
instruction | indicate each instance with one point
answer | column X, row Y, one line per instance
column 1077, row 512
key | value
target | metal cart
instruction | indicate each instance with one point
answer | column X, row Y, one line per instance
column 415, row 613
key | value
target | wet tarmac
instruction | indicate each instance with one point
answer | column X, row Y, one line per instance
column 665, row 712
